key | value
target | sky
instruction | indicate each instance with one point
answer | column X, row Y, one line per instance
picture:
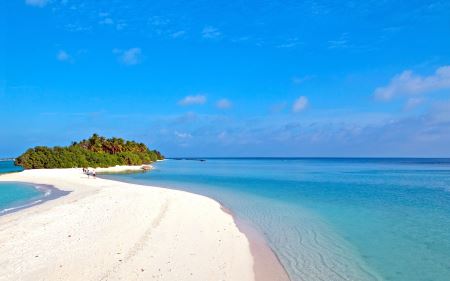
column 229, row 78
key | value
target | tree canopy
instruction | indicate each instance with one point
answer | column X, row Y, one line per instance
column 97, row 151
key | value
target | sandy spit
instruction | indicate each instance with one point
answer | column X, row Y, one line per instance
column 110, row 230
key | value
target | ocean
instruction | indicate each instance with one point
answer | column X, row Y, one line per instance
column 331, row 219
column 15, row 196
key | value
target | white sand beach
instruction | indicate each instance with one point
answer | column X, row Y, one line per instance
column 109, row 230
column 124, row 169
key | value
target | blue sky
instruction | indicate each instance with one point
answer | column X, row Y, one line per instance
column 229, row 78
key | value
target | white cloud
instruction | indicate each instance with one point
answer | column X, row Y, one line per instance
column 190, row 100
column 129, row 57
column 182, row 135
column 36, row 3
column 210, row 32
column 106, row 21
column 223, row 104
column 63, row 56
column 408, row 83
column 178, row 34
column 300, row 104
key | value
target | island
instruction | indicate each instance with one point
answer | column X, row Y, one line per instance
column 96, row 151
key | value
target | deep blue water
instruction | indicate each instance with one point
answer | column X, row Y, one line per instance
column 16, row 195
column 332, row 219
column 8, row 167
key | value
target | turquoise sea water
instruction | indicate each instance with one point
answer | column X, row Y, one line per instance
column 16, row 195
column 332, row 219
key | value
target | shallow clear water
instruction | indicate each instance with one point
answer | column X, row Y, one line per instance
column 16, row 195
column 332, row 219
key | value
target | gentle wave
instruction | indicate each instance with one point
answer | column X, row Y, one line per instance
column 310, row 250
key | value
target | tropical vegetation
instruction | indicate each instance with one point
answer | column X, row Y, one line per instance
column 97, row 151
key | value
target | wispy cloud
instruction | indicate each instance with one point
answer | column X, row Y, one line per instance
column 278, row 107
column 300, row 104
column 301, row 79
column 121, row 25
column 426, row 134
column 412, row 103
column 63, row 56
column 191, row 100
column 106, row 21
column 182, row 135
column 77, row 27
column 290, row 43
column 223, row 104
column 210, row 32
column 131, row 56
column 407, row 83
column 178, row 34
column 341, row 43
column 158, row 21
column 36, row 3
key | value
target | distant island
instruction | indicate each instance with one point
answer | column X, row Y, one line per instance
column 97, row 151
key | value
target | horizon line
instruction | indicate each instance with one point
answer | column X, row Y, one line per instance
column 3, row 159
column 308, row 157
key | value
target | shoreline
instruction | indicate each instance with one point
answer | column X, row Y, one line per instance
column 245, row 264
column 267, row 265
column 48, row 193
column 124, row 169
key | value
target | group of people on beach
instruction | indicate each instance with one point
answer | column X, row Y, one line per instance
column 89, row 172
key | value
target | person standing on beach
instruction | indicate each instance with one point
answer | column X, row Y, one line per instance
column 94, row 174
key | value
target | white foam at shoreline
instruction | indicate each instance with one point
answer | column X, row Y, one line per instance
column 8, row 210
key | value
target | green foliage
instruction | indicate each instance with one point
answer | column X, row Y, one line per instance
column 97, row 151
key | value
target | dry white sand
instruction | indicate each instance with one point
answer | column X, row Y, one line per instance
column 109, row 230
column 120, row 169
